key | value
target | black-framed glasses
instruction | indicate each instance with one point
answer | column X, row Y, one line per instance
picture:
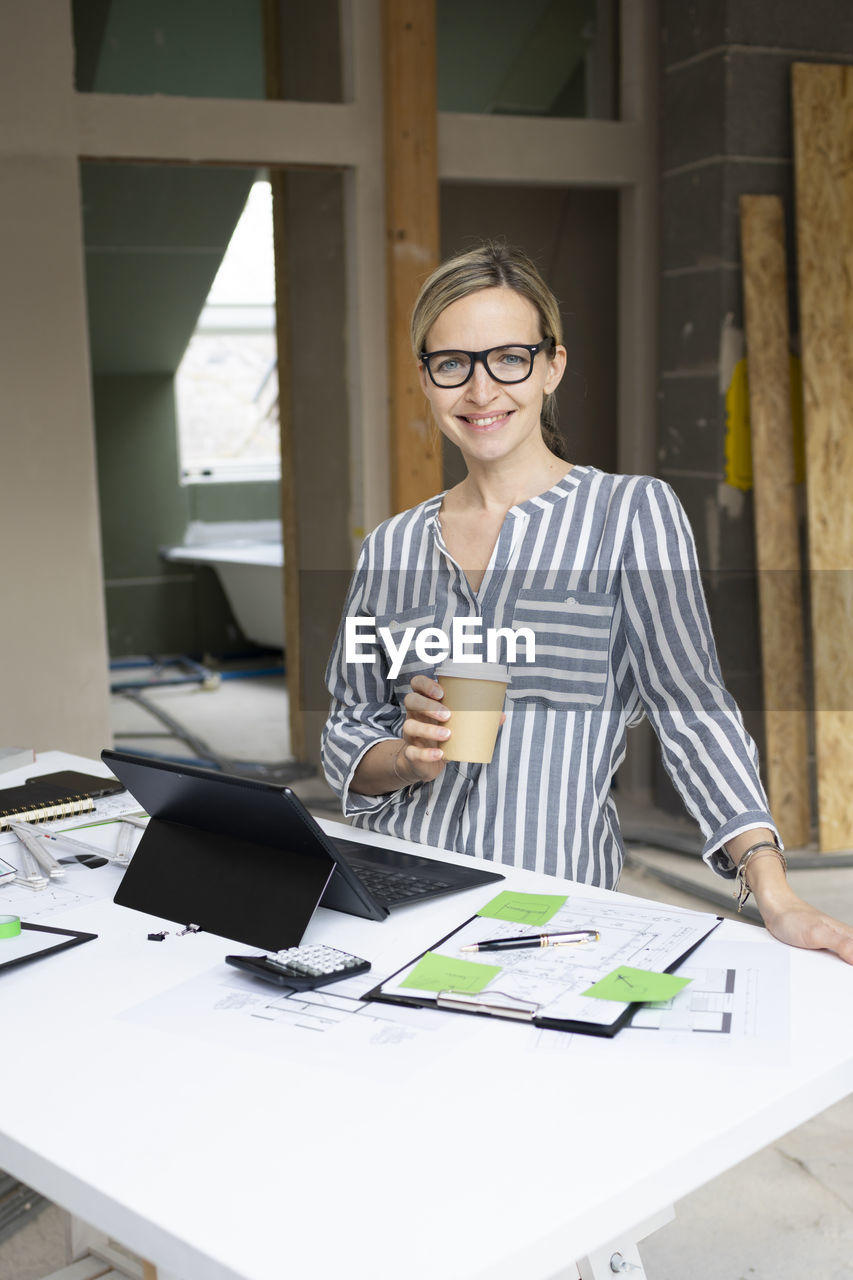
column 513, row 363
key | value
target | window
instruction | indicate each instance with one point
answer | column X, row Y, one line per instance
column 226, row 385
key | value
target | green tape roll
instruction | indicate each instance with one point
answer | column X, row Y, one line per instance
column 10, row 926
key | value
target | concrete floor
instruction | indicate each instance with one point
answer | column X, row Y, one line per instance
column 784, row 1214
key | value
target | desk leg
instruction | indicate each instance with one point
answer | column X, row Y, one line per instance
column 621, row 1257
column 150, row 1272
column 80, row 1237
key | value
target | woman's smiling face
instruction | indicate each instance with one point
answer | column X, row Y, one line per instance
column 491, row 420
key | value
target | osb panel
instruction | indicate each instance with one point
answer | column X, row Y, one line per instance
column 823, row 158
column 775, row 502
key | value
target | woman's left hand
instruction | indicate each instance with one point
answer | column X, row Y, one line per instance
column 787, row 916
column 801, row 925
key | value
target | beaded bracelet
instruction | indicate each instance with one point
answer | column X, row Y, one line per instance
column 742, row 891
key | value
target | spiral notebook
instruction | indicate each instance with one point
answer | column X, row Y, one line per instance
column 52, row 796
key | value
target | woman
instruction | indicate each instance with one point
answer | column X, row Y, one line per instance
column 601, row 567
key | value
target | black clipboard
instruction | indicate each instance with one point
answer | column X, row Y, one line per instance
column 496, row 1004
column 55, row 940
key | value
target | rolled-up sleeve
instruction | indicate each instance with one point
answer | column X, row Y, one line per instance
column 710, row 757
column 362, row 710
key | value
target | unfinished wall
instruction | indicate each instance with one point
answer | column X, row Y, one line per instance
column 726, row 131
column 53, row 692
column 316, row 309
column 572, row 235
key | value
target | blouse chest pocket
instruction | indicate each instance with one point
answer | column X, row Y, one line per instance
column 397, row 635
column 572, row 633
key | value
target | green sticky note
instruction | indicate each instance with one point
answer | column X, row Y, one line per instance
column 523, row 908
column 435, row 972
column 627, row 984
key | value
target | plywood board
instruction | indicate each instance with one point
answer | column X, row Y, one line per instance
column 823, row 160
column 776, row 521
column 411, row 182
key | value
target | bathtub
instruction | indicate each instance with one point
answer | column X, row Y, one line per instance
column 248, row 558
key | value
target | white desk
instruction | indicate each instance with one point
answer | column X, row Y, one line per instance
column 462, row 1154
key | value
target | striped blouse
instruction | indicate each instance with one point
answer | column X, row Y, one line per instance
column 602, row 569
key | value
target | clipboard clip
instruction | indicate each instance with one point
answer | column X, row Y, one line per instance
column 495, row 1003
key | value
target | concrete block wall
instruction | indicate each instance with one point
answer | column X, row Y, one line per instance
column 726, row 131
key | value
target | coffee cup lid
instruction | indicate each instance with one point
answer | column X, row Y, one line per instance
column 474, row 671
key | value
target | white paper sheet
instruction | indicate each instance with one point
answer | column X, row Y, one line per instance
column 80, row 887
column 224, row 1007
column 738, row 1005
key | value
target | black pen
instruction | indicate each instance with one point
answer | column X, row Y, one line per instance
column 534, row 940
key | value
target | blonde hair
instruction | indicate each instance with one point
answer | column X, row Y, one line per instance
column 491, row 265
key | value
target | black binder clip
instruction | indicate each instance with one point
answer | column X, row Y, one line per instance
column 190, row 928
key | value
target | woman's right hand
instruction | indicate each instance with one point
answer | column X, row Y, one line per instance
column 393, row 763
column 421, row 758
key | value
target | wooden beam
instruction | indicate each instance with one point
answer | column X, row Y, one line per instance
column 411, row 179
column 287, row 495
column 823, row 167
column 577, row 153
column 219, row 131
column 776, row 525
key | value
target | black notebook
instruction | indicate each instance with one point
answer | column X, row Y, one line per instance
column 52, row 796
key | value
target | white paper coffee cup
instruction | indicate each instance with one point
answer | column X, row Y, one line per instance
column 474, row 694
